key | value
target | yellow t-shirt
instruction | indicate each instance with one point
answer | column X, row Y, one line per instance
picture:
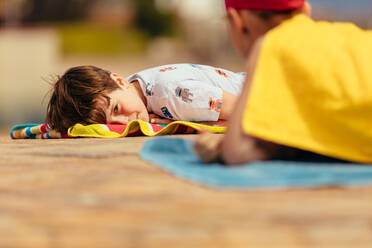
column 312, row 89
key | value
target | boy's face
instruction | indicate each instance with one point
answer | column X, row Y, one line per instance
column 124, row 105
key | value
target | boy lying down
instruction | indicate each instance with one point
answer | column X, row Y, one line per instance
column 188, row 92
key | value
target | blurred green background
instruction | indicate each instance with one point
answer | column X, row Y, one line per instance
column 40, row 39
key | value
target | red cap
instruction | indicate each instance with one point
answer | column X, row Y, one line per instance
column 270, row 5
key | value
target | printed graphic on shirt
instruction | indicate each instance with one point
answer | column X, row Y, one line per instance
column 215, row 105
column 184, row 94
column 167, row 69
column 222, row 73
column 149, row 91
column 166, row 112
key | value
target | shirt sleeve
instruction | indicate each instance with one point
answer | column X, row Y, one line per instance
column 190, row 100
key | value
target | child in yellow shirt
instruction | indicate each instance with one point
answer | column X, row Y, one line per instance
column 308, row 88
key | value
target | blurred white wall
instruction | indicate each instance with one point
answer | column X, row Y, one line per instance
column 205, row 29
column 26, row 57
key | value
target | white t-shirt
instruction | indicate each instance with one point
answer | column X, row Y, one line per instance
column 187, row 92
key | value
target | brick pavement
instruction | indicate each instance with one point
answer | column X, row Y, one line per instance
column 99, row 193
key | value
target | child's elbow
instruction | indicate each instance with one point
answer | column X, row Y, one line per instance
column 243, row 151
column 230, row 158
column 235, row 154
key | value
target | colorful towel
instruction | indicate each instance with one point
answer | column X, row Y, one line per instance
column 134, row 128
column 177, row 156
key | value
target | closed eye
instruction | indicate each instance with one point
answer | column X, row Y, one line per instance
column 116, row 108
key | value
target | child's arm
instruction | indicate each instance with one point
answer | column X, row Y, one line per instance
column 235, row 147
column 227, row 106
column 156, row 119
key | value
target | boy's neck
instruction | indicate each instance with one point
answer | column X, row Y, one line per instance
column 137, row 88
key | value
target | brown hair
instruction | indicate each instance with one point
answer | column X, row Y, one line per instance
column 75, row 95
column 267, row 15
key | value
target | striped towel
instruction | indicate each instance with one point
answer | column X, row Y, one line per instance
column 134, row 128
column 35, row 131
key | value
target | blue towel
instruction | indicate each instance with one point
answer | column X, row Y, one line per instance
column 178, row 157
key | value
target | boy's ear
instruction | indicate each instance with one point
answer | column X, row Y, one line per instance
column 306, row 9
column 236, row 20
column 119, row 80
